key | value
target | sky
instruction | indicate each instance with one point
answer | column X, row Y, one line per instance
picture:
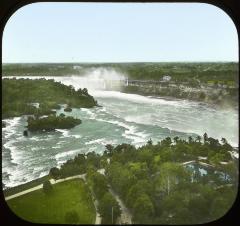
column 119, row 32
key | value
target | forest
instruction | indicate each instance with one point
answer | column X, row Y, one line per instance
column 172, row 182
column 40, row 97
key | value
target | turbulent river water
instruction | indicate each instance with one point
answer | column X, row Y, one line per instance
column 122, row 118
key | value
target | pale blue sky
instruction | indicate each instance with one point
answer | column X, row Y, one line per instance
column 113, row 32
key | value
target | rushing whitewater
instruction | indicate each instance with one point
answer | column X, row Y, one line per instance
column 122, row 118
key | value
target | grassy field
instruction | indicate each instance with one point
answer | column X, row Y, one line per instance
column 37, row 207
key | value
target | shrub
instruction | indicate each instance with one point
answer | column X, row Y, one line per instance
column 54, row 173
column 47, row 187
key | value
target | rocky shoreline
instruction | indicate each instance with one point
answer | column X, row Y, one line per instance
column 222, row 98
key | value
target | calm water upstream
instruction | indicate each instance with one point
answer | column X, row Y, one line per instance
column 122, row 118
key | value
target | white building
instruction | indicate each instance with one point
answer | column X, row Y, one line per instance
column 76, row 67
column 166, row 78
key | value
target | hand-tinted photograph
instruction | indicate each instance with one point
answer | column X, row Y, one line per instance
column 120, row 113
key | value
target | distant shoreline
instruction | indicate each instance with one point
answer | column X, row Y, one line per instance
column 167, row 93
column 172, row 98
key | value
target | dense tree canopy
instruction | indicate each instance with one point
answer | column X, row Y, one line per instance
column 21, row 95
column 108, row 207
column 172, row 182
column 52, row 122
column 158, row 188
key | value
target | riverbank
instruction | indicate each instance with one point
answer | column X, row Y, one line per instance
column 25, row 186
column 218, row 97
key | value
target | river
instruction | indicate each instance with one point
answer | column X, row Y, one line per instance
column 128, row 118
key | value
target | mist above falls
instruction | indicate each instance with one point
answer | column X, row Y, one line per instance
column 96, row 79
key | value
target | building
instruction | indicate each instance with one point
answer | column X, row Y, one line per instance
column 76, row 67
column 166, row 78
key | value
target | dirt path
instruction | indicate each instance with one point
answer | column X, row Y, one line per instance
column 126, row 216
column 24, row 192
column 82, row 176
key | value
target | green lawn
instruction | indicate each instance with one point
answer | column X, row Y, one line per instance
column 37, row 207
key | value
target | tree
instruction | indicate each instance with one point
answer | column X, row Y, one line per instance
column 93, row 158
column 143, row 209
column 140, row 188
column 219, row 207
column 80, row 159
column 226, row 146
column 71, row 217
column 170, row 175
column 176, row 139
column 85, row 91
column 139, row 169
column 205, row 138
column 175, row 209
column 166, row 142
column 149, row 142
column 100, row 185
column 109, row 149
column 230, row 171
column 121, row 178
column 47, row 187
column 223, row 140
column 190, row 140
column 145, row 155
column 213, row 143
column 216, row 158
column 54, row 173
column 109, row 208
column 197, row 206
column 198, row 139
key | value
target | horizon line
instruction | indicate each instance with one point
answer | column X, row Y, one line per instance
column 120, row 62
